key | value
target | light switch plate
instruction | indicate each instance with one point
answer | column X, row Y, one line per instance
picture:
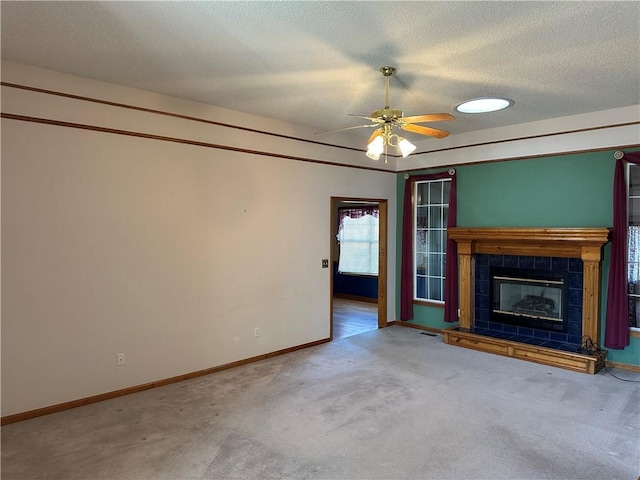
column 325, row 263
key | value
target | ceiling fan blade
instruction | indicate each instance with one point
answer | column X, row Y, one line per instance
column 375, row 134
column 430, row 117
column 373, row 119
column 346, row 128
column 431, row 132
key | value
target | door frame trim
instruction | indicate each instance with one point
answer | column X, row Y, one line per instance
column 383, row 233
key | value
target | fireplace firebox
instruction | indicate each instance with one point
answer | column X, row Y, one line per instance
column 529, row 298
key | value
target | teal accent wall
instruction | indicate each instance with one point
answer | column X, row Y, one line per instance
column 555, row 191
column 560, row 191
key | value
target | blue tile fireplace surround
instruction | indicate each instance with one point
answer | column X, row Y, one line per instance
column 569, row 268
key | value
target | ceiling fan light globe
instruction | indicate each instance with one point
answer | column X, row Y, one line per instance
column 406, row 147
column 375, row 148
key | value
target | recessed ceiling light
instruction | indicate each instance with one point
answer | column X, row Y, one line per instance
column 484, row 105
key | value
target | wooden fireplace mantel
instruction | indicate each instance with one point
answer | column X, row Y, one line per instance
column 583, row 243
column 543, row 242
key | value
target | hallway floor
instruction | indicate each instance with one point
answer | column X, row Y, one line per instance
column 352, row 317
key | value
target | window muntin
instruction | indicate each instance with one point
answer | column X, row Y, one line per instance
column 633, row 245
column 431, row 208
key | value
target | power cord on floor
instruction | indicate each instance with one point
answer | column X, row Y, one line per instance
column 587, row 346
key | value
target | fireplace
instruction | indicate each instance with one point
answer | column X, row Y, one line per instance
column 574, row 253
column 528, row 298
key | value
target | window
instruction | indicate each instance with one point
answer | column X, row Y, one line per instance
column 431, row 206
column 358, row 231
column 633, row 249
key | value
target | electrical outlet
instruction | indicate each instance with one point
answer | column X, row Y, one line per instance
column 256, row 332
column 325, row 263
column 119, row 359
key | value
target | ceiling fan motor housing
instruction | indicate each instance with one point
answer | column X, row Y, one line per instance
column 387, row 114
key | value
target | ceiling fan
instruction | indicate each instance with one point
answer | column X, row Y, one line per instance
column 386, row 119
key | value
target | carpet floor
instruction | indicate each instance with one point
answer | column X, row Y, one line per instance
column 387, row 404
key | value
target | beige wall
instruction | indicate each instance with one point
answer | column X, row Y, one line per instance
column 170, row 253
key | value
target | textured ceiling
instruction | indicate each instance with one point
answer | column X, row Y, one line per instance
column 312, row 63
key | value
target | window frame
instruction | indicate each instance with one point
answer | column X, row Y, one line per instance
column 442, row 228
column 635, row 331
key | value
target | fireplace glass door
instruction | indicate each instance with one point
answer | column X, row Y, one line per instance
column 528, row 301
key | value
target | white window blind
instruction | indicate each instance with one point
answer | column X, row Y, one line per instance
column 358, row 239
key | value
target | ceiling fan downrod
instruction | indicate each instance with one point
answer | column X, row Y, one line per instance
column 387, row 114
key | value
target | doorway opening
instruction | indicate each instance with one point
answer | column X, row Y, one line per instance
column 358, row 300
